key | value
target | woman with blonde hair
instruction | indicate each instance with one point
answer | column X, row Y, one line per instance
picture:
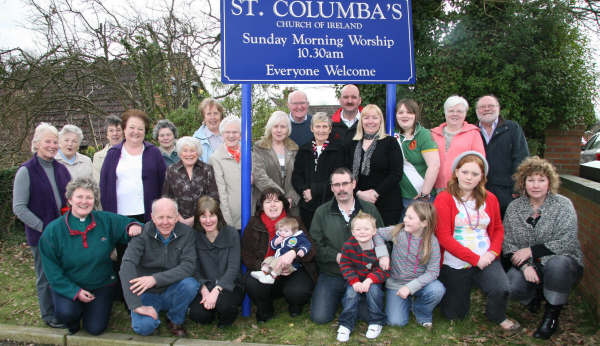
column 273, row 158
column 375, row 160
column 470, row 232
column 540, row 230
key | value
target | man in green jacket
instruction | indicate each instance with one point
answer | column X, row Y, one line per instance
column 157, row 271
column 329, row 230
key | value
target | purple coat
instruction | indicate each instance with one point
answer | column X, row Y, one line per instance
column 153, row 177
column 41, row 197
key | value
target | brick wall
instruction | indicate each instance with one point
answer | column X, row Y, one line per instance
column 563, row 149
column 585, row 195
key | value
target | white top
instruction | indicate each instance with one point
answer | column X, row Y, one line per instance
column 130, row 189
column 319, row 150
column 470, row 230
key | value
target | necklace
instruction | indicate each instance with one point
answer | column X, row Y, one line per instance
column 469, row 216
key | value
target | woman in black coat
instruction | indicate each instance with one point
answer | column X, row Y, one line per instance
column 375, row 160
column 315, row 162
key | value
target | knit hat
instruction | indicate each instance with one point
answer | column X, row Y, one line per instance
column 471, row 152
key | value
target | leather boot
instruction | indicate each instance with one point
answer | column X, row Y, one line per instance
column 549, row 322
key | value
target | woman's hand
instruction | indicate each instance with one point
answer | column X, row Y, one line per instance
column 307, row 195
column 485, row 260
column 384, row 262
column 134, row 230
column 85, row 296
column 368, row 195
column 210, row 301
column 531, row 275
column 284, row 261
column 403, row 292
column 520, row 256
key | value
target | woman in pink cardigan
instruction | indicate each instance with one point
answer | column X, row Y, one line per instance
column 470, row 233
column 454, row 137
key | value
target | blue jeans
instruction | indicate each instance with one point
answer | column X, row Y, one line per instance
column 175, row 300
column 422, row 302
column 406, row 202
column 327, row 297
column 95, row 314
column 351, row 300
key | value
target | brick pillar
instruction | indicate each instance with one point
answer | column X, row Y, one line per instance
column 563, row 148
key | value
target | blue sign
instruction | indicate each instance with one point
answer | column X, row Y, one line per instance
column 309, row 41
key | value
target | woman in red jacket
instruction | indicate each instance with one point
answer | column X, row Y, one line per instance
column 470, row 233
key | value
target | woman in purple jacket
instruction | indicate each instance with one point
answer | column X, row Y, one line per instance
column 133, row 172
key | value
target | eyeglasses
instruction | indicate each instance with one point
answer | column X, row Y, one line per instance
column 486, row 106
column 344, row 184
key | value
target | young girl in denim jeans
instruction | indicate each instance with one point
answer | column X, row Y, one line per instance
column 415, row 266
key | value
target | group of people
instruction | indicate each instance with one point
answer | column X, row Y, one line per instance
column 344, row 215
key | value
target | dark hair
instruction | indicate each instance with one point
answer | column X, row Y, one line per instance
column 112, row 120
column 207, row 203
column 341, row 170
column 411, row 107
column 267, row 193
column 135, row 113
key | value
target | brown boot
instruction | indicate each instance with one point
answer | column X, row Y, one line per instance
column 176, row 329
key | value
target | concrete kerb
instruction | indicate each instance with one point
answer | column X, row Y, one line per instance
column 50, row 336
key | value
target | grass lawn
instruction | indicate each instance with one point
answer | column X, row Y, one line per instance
column 18, row 305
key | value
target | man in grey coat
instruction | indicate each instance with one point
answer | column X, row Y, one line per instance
column 157, row 271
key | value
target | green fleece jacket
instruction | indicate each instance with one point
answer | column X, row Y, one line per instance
column 70, row 264
column 329, row 230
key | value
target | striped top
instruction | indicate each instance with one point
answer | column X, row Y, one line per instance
column 357, row 264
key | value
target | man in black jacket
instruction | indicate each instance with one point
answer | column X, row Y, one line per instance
column 157, row 271
column 505, row 148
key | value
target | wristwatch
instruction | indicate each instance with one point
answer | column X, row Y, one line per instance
column 421, row 195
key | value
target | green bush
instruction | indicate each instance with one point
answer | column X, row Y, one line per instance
column 7, row 218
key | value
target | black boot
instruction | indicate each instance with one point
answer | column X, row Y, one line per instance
column 549, row 322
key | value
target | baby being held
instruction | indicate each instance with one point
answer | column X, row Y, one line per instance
column 287, row 238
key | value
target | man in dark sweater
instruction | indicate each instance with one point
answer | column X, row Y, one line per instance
column 505, row 148
column 157, row 269
column 298, row 106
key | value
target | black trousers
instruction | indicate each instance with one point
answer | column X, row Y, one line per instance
column 227, row 308
column 296, row 288
column 458, row 282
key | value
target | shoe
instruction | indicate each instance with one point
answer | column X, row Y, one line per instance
column 176, row 329
column 373, row 331
column 427, row 325
column 262, row 277
column 514, row 325
column 549, row 322
column 55, row 324
column 295, row 310
column 343, row 334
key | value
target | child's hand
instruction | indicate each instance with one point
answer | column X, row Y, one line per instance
column 367, row 284
column 384, row 262
column 278, row 240
column 357, row 287
column 300, row 253
column 403, row 292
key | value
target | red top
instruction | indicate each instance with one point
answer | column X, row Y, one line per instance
column 447, row 211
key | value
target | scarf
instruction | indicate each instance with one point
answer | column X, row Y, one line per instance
column 77, row 232
column 363, row 168
column 235, row 153
column 270, row 226
column 316, row 153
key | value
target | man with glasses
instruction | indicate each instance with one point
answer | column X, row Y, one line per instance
column 505, row 148
column 298, row 106
column 329, row 230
